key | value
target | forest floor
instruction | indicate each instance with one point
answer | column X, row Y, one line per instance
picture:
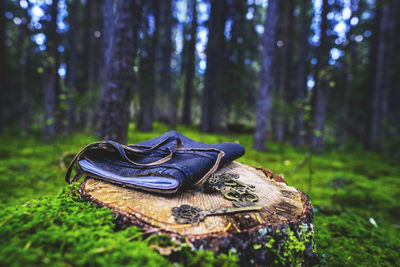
column 355, row 197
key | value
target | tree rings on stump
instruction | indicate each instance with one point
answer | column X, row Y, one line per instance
column 283, row 225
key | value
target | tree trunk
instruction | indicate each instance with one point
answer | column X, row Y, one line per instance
column 168, row 93
column 301, row 73
column 263, row 100
column 213, row 79
column 190, row 67
column 108, row 17
column 147, row 75
column 23, row 53
column 393, row 107
column 379, row 76
column 114, row 115
column 349, row 72
column 108, row 30
column 285, row 70
column 238, row 77
column 71, row 78
column 51, row 86
column 388, row 78
column 96, row 59
column 256, row 236
column 86, row 78
column 321, row 83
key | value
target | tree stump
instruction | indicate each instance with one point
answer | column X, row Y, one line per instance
column 281, row 232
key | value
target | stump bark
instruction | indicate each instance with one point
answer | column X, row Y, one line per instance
column 280, row 233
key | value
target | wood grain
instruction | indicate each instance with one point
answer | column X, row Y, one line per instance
column 280, row 203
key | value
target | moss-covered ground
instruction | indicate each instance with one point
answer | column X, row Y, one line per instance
column 355, row 195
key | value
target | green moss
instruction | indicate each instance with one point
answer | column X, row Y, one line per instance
column 347, row 239
column 270, row 243
column 63, row 231
column 294, row 249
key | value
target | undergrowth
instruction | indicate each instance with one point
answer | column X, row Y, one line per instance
column 355, row 195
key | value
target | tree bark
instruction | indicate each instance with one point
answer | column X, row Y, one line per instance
column 71, row 73
column 301, row 76
column 321, row 86
column 114, row 115
column 51, row 86
column 190, row 68
column 263, row 100
column 214, row 72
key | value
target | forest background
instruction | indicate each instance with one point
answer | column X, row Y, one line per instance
column 310, row 88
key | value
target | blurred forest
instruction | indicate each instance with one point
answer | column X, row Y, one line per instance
column 317, row 73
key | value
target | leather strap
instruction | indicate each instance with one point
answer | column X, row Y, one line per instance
column 122, row 152
column 146, row 149
column 121, row 149
column 77, row 156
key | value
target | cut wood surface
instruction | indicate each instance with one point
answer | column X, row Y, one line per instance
column 283, row 206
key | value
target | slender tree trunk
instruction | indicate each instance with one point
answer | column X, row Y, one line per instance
column 3, row 73
column 349, row 72
column 344, row 109
column 51, row 86
column 263, row 100
column 236, row 71
column 71, row 78
column 301, row 73
column 214, row 72
column 114, row 115
column 190, row 68
column 147, row 75
column 168, row 93
column 98, row 45
column 387, row 85
column 23, row 52
column 379, row 77
column 108, row 16
column 108, row 30
column 96, row 59
column 86, row 77
column 89, row 43
column 285, row 70
column 321, row 86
